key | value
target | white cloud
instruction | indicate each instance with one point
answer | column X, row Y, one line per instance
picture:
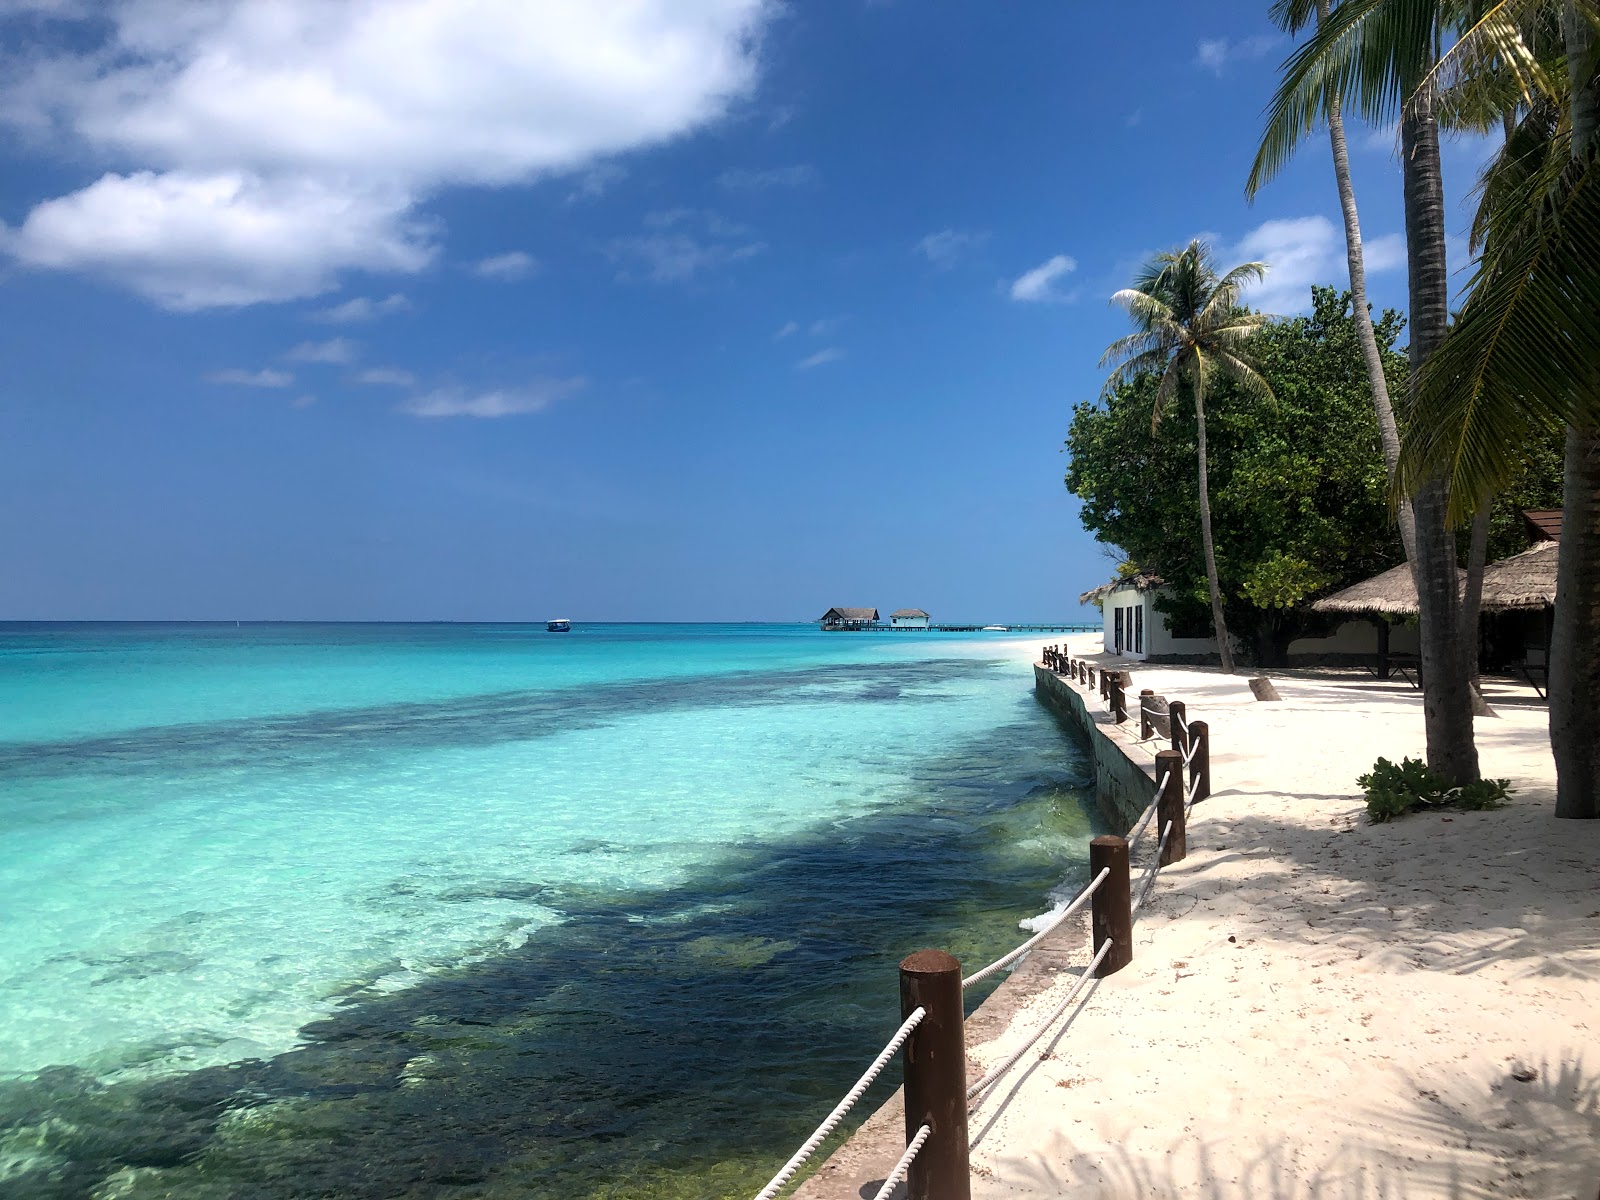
column 826, row 355
column 684, row 243
column 362, row 308
column 336, row 351
column 512, row 265
column 275, row 146
column 788, row 330
column 505, row 402
column 264, row 378
column 1039, row 285
column 386, row 377
column 741, row 179
column 1301, row 251
column 945, row 248
column 1214, row 54
column 191, row 241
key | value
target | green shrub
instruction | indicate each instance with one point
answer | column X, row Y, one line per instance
column 1395, row 790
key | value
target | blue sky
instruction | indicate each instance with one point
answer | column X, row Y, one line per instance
column 674, row 310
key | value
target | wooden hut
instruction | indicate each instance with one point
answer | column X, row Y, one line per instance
column 849, row 618
column 1384, row 600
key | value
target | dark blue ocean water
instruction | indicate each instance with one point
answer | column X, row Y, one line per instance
column 444, row 910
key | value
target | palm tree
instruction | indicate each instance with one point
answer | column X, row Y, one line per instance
column 1525, row 352
column 1292, row 16
column 1375, row 55
column 1189, row 329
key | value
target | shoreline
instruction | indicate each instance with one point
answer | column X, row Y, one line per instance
column 1317, row 1006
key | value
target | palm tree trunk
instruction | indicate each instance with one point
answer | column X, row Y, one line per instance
column 1472, row 603
column 1575, row 640
column 1388, row 431
column 1223, row 646
column 1446, row 695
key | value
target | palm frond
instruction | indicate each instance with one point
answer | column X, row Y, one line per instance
column 1523, row 353
column 1169, row 386
column 1148, row 311
column 1133, row 345
column 1225, row 295
column 1493, row 57
column 1292, row 16
column 1148, row 363
column 1242, row 373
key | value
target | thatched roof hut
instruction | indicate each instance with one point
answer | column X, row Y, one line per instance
column 1391, row 594
column 1525, row 581
column 1140, row 582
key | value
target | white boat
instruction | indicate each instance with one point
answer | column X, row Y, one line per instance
column 995, row 629
column 558, row 625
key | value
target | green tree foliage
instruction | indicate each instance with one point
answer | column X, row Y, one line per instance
column 1298, row 481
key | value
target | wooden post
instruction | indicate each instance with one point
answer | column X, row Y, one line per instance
column 1200, row 764
column 1177, row 714
column 1145, row 728
column 1091, row 679
column 936, row 1076
column 1170, row 806
column 1111, row 906
column 1119, row 697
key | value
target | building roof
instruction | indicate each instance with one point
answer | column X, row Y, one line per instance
column 1526, row 580
column 1544, row 524
column 908, row 612
column 850, row 614
column 1142, row 582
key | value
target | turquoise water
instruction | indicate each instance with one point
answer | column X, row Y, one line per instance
column 484, row 911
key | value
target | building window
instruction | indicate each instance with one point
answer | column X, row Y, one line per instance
column 1138, row 630
column 1116, row 637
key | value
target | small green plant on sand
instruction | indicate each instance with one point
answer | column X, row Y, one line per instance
column 1393, row 790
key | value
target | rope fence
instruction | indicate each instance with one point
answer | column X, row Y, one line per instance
column 938, row 1099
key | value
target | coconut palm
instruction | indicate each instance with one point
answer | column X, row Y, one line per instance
column 1190, row 329
column 1292, row 16
column 1374, row 56
column 1525, row 352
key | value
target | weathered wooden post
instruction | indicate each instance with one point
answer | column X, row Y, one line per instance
column 1111, row 906
column 1177, row 714
column 1119, row 697
column 936, row 1076
column 1145, row 727
column 1170, row 806
column 1091, row 679
column 1200, row 764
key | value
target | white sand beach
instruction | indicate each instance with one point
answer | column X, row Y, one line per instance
column 1320, row 1007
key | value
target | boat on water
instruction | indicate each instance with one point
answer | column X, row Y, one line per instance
column 558, row 625
column 995, row 629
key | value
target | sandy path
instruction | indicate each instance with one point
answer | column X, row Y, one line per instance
column 1318, row 1007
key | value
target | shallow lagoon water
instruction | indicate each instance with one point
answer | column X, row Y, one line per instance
column 477, row 910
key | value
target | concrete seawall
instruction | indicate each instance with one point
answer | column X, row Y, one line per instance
column 1124, row 773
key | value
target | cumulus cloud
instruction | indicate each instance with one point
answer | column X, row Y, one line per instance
column 386, row 377
column 1216, row 54
column 741, row 179
column 1038, row 286
column 276, row 146
column 948, row 246
column 264, row 378
column 502, row 402
column 361, row 309
column 335, row 351
column 1301, row 251
column 821, row 357
column 512, row 265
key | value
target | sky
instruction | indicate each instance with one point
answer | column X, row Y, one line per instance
column 626, row 310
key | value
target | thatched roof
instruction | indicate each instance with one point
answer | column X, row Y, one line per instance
column 1526, row 580
column 1140, row 582
column 849, row 614
column 908, row 612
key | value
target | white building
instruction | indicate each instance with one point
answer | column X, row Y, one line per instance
column 1135, row 628
column 909, row 618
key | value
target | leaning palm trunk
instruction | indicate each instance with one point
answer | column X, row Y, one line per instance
column 1224, row 648
column 1446, row 693
column 1388, row 431
column 1575, row 641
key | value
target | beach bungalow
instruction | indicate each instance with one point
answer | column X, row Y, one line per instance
column 908, row 618
column 1136, row 628
column 849, row 618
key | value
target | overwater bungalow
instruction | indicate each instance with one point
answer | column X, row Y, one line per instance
column 848, row 618
column 909, row 618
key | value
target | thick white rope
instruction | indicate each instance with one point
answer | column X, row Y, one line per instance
column 1006, row 960
column 1002, row 1068
column 1182, row 724
column 1151, row 872
column 1194, row 748
column 1194, row 786
column 904, row 1165
column 837, row 1115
